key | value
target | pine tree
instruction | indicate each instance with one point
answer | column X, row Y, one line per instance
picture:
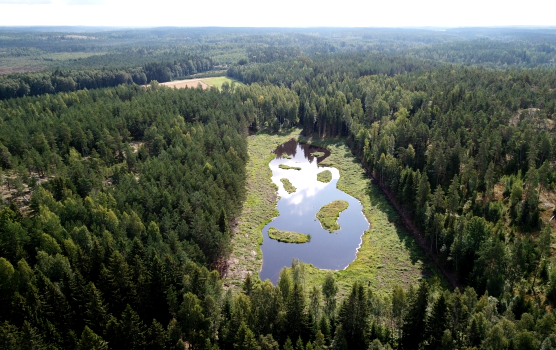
column 329, row 291
column 245, row 339
column 353, row 317
column 436, row 323
column 339, row 342
column 91, row 341
column 414, row 323
column 296, row 315
column 95, row 309
column 157, row 337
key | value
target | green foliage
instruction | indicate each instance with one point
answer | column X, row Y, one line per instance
column 287, row 167
column 324, row 176
column 288, row 236
column 328, row 214
column 288, row 186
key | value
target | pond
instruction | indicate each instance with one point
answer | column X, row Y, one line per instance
column 297, row 212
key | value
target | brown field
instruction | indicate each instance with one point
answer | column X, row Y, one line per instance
column 10, row 70
column 190, row 83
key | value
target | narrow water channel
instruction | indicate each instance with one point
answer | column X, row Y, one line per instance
column 297, row 212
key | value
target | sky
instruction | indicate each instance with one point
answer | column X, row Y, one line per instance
column 283, row 13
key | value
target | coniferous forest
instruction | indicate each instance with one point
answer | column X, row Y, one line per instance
column 120, row 197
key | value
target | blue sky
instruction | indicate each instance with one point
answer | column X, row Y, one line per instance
column 286, row 13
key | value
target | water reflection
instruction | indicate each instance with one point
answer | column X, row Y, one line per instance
column 298, row 210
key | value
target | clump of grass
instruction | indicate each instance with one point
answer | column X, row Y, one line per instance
column 287, row 167
column 286, row 156
column 288, row 186
column 328, row 215
column 317, row 154
column 324, row 176
column 288, row 236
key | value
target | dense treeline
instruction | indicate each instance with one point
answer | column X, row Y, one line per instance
column 110, row 234
column 19, row 85
column 492, row 53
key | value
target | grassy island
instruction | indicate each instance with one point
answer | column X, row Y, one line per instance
column 328, row 215
column 317, row 154
column 324, row 176
column 287, row 167
column 288, row 186
column 288, row 236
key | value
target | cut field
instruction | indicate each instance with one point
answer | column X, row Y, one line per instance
column 39, row 61
column 187, row 83
column 205, row 83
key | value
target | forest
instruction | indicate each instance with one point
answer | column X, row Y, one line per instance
column 119, row 202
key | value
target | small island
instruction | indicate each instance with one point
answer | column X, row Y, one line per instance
column 328, row 215
column 287, row 167
column 317, row 154
column 288, row 236
column 286, row 156
column 324, row 176
column 288, row 185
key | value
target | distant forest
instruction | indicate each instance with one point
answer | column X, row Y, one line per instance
column 118, row 201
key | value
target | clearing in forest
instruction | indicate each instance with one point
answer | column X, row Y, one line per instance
column 204, row 82
column 388, row 254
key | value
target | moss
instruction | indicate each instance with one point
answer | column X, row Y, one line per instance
column 288, row 236
column 324, row 176
column 328, row 215
column 287, row 167
column 288, row 186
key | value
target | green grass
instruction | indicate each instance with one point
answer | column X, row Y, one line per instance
column 317, row 154
column 287, row 167
column 286, row 156
column 288, row 236
column 218, row 81
column 258, row 209
column 388, row 254
column 324, row 176
column 328, row 215
column 288, row 186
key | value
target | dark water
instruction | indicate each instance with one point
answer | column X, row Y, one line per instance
column 333, row 251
